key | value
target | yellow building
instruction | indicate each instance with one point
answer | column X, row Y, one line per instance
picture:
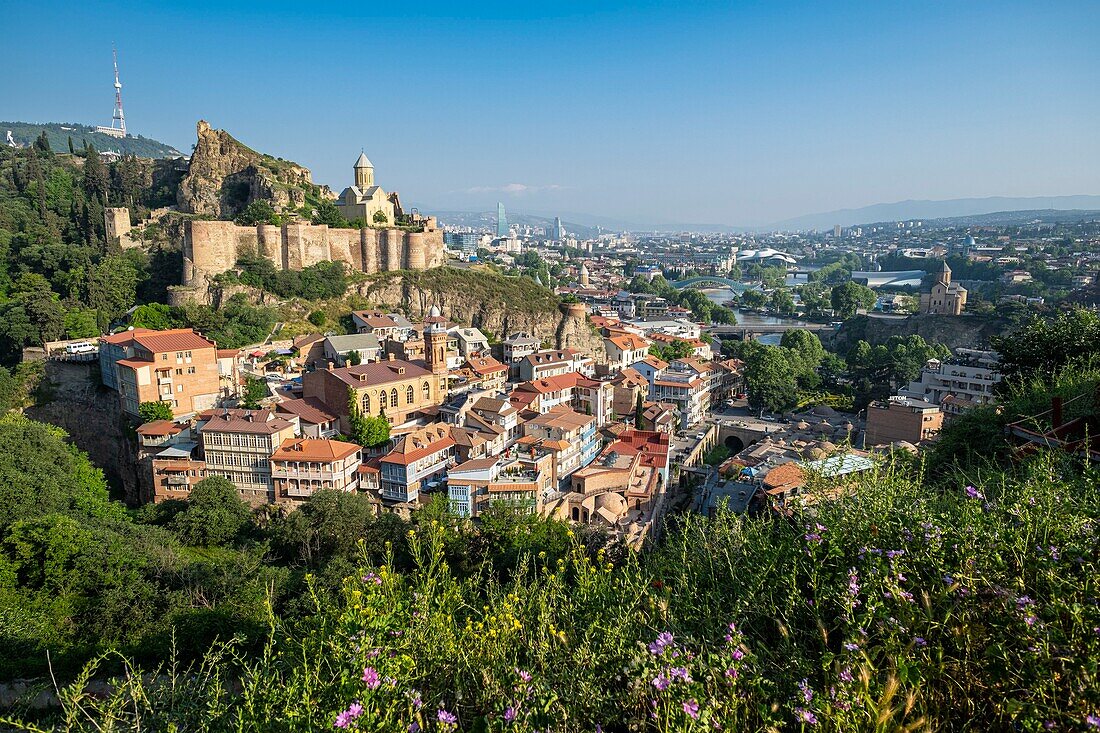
column 365, row 200
column 945, row 298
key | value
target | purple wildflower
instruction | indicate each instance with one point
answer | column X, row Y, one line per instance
column 343, row 720
column 972, row 493
column 370, row 676
column 446, row 718
column 846, row 675
column 523, row 675
column 853, row 583
column 509, row 714
column 737, row 655
column 1023, row 602
column 372, row 578
column 692, row 708
column 919, row 641
column 355, row 710
column 661, row 682
column 1030, row 620
column 807, row 693
column 662, row 642
column 679, row 673
column 731, row 673
column 806, row 716
column 1054, row 553
column 1093, row 721
column 894, row 553
column 414, row 727
column 851, row 647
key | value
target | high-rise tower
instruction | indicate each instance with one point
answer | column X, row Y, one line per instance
column 118, row 119
column 502, row 221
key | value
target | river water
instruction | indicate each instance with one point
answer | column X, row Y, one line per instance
column 748, row 319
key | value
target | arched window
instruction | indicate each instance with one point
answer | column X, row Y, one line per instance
column 366, row 403
column 393, row 396
column 410, row 394
column 427, row 390
column 382, row 399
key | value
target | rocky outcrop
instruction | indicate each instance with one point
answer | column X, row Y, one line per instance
column 966, row 331
column 93, row 418
column 497, row 305
column 224, row 176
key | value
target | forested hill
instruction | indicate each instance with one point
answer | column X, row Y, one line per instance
column 59, row 134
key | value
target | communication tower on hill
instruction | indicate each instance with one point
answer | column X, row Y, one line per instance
column 118, row 119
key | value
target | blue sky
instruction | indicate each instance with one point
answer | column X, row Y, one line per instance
column 651, row 112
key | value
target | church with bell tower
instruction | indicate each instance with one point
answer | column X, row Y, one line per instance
column 366, row 200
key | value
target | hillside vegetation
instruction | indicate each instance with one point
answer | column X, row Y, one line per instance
column 59, row 133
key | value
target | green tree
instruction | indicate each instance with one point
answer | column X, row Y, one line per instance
column 96, row 182
column 782, row 301
column 215, row 514
column 257, row 212
column 754, row 299
column 42, row 144
column 1043, row 347
column 354, row 358
column 380, row 217
column 327, row 213
column 770, row 381
column 639, row 421
column 150, row 411
column 255, row 391
column 367, row 430
column 317, row 318
column 846, row 299
column 805, row 346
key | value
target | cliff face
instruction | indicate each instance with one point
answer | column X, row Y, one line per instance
column 224, row 176
column 496, row 305
column 92, row 417
column 970, row 332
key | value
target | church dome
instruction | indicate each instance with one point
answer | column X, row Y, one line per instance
column 363, row 161
column 612, row 502
column 434, row 312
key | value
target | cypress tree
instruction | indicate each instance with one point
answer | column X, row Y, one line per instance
column 72, row 151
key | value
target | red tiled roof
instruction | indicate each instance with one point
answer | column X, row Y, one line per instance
column 124, row 337
column 160, row 427
column 628, row 343
column 380, row 372
column 309, row 409
column 177, row 339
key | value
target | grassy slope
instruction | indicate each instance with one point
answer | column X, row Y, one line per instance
column 901, row 608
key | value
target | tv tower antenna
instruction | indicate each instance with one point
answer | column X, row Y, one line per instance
column 118, row 119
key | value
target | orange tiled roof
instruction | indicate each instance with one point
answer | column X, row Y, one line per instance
column 313, row 449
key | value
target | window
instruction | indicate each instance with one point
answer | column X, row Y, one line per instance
column 393, row 396
column 190, row 370
column 410, row 394
column 366, row 404
column 179, row 372
column 382, row 400
column 427, row 390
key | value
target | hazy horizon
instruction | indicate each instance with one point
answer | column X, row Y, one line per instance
column 722, row 114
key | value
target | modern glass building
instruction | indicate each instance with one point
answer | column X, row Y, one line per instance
column 502, row 221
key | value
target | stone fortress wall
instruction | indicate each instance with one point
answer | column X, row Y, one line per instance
column 212, row 247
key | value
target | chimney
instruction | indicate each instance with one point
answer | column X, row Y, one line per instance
column 390, row 356
column 330, row 366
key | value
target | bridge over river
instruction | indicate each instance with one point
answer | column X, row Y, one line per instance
column 753, row 328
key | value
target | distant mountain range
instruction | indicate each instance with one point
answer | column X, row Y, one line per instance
column 928, row 210
column 58, row 133
column 949, row 212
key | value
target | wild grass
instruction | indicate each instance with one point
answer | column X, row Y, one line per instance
column 900, row 607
